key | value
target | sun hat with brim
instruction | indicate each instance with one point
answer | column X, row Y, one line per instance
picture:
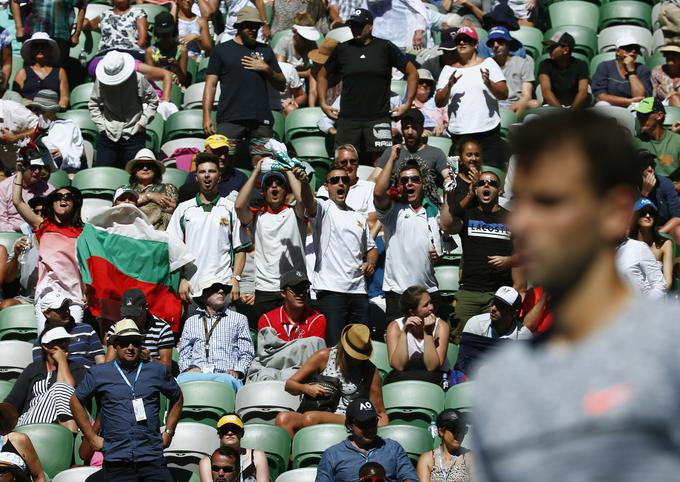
column 425, row 75
column 626, row 40
column 356, row 341
column 58, row 333
column 340, row 34
column 8, row 418
column 502, row 33
column 670, row 48
column 306, row 32
column 248, row 14
column 45, row 99
column 231, row 419
column 115, row 68
column 144, row 155
column 125, row 328
column 207, row 283
column 320, row 55
column 53, row 53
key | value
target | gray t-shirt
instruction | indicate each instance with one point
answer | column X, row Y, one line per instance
column 604, row 409
column 518, row 70
column 434, row 157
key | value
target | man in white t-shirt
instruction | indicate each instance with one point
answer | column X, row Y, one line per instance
column 278, row 227
column 208, row 225
column 345, row 256
column 502, row 321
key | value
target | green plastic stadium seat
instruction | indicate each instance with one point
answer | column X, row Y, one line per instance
column 17, row 65
column 303, row 122
column 458, row 396
column 443, row 143
column 380, row 358
column 154, row 133
column 206, row 401
column 584, row 37
column 185, row 123
column 100, row 180
column 273, row 440
column 531, row 38
column 262, row 401
column 655, row 60
column 82, row 118
column 508, row 118
column 88, row 43
column 626, row 12
column 8, row 240
column 15, row 355
column 18, row 323
column 5, row 388
column 574, row 12
column 53, row 444
column 415, row 440
column 276, row 38
column 413, row 402
column 452, row 354
column 80, row 474
column 80, row 95
column 310, row 442
column 448, row 279
column 672, row 115
column 174, row 176
column 279, row 126
column 310, row 148
column 151, row 10
column 398, row 88
column 298, row 475
column 59, row 179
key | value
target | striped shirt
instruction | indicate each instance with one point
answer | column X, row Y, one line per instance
column 229, row 348
column 82, row 349
column 157, row 335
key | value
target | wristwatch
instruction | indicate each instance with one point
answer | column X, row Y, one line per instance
column 236, row 277
column 169, row 432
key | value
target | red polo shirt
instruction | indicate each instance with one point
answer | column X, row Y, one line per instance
column 314, row 324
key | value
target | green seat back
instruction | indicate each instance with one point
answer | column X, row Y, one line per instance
column 310, row 442
column 80, row 95
column 100, row 180
column 309, row 148
column 413, row 402
column 5, row 388
column 279, row 126
column 8, row 240
column 585, row 38
column 531, row 38
column 59, row 179
column 273, row 440
column 448, row 279
column 206, row 401
column 672, row 115
column 88, row 43
column 574, row 12
column 443, row 143
column 276, row 38
column 151, row 10
column 380, row 358
column 185, row 123
column 398, row 87
column 18, row 323
column 508, row 118
column 452, row 354
column 303, row 122
column 17, row 65
column 53, row 444
column 414, row 440
column 174, row 176
column 458, row 396
column 626, row 12
column 655, row 60
column 154, row 133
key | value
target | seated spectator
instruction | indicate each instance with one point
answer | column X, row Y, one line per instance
column 502, row 321
column 622, row 81
column 158, row 340
column 663, row 143
column 193, row 31
column 42, row 392
column 224, row 466
column 32, row 185
column 348, row 362
column 85, row 347
column 41, row 71
column 372, row 472
column 469, row 152
column 122, row 28
column 518, row 71
column 253, row 462
column 636, row 264
column 644, row 227
column 666, row 77
column 231, row 179
column 125, row 196
column 167, row 52
column 294, row 95
column 452, row 461
column 295, row 48
column 5, row 56
column 215, row 343
column 657, row 188
column 17, row 124
column 62, row 137
column 418, row 341
column 536, row 311
column 563, row 78
column 122, row 104
column 156, row 199
column 341, row 462
column 17, row 455
column 435, row 118
column 289, row 335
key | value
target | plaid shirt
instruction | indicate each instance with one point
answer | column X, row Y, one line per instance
column 347, row 7
column 54, row 17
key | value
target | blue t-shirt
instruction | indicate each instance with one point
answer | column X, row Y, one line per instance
column 608, row 80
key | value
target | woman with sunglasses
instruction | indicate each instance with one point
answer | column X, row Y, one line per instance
column 41, row 71
column 254, row 466
column 645, row 227
column 449, row 462
column 471, row 88
column 156, row 199
column 55, row 231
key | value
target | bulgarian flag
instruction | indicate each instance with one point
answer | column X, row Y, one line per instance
column 118, row 250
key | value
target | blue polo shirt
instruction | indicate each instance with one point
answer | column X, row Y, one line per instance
column 342, row 461
column 125, row 439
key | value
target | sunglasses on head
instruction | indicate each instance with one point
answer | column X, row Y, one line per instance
column 227, row 469
column 351, row 162
column 336, row 180
column 63, row 196
column 487, row 182
column 407, row 179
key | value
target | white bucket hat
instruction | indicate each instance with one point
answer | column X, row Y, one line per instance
column 53, row 53
column 309, row 33
column 115, row 68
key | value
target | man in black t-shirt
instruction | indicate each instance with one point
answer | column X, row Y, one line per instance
column 365, row 65
column 487, row 248
column 563, row 78
column 244, row 67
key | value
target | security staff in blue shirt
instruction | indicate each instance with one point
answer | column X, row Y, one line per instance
column 128, row 395
column 341, row 462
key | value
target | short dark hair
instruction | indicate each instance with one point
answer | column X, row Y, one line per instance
column 230, row 453
column 202, row 157
column 607, row 147
column 458, row 147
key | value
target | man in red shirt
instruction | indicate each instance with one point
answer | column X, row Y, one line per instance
column 295, row 319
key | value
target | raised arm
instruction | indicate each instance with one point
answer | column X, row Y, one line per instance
column 381, row 199
column 298, row 180
column 21, row 206
column 242, row 204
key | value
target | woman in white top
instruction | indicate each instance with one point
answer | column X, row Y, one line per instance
column 417, row 343
column 472, row 88
column 645, row 227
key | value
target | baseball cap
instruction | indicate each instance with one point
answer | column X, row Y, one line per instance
column 216, row 141
column 277, row 174
column 649, row 105
column 293, row 278
column 164, row 22
column 231, row 419
column 361, row 410
column 643, row 203
column 450, row 418
column 508, row 295
column 58, row 333
column 447, row 39
column 467, row 32
column 625, row 40
column 560, row 38
column 132, row 303
column 53, row 301
column 360, row 15
column 126, row 193
column 414, row 115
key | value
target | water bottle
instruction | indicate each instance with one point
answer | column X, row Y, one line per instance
column 223, row 7
column 23, row 254
column 82, row 57
column 433, row 429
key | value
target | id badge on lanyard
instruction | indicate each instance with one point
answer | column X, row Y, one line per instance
column 137, row 403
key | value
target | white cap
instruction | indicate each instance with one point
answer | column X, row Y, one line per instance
column 626, row 39
column 52, row 301
column 508, row 295
column 58, row 333
column 309, row 33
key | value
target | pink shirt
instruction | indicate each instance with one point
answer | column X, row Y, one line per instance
column 10, row 220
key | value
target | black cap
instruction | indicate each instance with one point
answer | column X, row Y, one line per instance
column 447, row 39
column 561, row 38
column 293, row 278
column 164, row 22
column 361, row 410
column 132, row 303
column 414, row 115
column 360, row 15
column 450, row 418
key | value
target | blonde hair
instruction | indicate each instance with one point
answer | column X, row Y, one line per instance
column 303, row 19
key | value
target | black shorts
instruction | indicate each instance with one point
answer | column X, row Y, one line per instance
column 252, row 132
column 366, row 135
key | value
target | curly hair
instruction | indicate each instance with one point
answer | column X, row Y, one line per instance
column 426, row 174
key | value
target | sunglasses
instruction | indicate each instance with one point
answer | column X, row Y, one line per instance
column 35, row 168
column 406, row 179
column 229, row 430
column 270, row 182
column 39, row 210
column 647, row 212
column 464, row 41
column 350, row 162
column 298, row 290
column 141, row 167
column 487, row 182
column 126, row 343
column 336, row 180
column 63, row 196
column 227, row 469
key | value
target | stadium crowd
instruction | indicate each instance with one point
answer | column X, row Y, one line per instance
column 334, row 233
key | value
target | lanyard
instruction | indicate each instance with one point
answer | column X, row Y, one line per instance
column 208, row 335
column 447, row 472
column 132, row 386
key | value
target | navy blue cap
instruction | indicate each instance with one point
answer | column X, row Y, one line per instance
column 360, row 15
